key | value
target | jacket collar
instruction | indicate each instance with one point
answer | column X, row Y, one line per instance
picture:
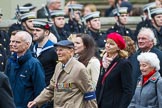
column 153, row 78
column 68, row 65
column 25, row 57
column 116, row 59
column 49, row 44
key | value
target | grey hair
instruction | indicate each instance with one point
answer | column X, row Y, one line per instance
column 150, row 58
column 50, row 1
column 26, row 36
column 150, row 34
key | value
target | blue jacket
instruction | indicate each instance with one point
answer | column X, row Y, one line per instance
column 27, row 78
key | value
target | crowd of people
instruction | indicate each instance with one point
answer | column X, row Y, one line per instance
column 51, row 63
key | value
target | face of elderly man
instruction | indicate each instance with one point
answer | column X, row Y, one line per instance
column 19, row 44
column 64, row 54
column 144, row 42
column 145, row 68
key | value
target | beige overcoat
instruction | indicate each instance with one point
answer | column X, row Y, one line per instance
column 68, row 86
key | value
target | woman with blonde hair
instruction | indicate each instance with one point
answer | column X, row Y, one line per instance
column 114, row 87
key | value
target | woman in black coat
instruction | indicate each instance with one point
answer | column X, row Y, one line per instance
column 114, row 88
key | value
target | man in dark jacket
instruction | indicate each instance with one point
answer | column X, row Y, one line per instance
column 146, row 18
column 6, row 95
column 26, row 23
column 121, row 17
column 156, row 15
column 58, row 18
column 146, row 43
column 25, row 72
column 75, row 24
column 44, row 48
column 93, row 29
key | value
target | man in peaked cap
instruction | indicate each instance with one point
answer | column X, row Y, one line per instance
column 58, row 18
column 146, row 18
column 75, row 24
column 30, row 6
column 94, row 25
column 26, row 8
column 26, row 23
column 156, row 21
column 51, row 5
column 44, row 50
column 70, row 85
column 121, row 17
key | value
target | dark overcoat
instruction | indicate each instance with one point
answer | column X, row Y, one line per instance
column 117, row 89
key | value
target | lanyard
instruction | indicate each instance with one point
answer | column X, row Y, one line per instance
column 107, row 73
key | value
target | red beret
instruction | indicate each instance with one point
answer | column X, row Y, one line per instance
column 118, row 39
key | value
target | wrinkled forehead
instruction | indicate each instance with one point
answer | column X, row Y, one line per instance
column 144, row 62
column 143, row 34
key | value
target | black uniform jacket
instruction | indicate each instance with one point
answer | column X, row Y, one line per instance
column 48, row 58
column 121, row 30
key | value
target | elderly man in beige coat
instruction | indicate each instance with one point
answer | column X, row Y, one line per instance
column 70, row 86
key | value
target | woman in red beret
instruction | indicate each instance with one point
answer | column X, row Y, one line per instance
column 114, row 88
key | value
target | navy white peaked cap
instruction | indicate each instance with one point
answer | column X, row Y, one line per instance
column 30, row 7
column 23, row 9
column 149, row 6
column 26, row 16
column 121, row 10
column 42, row 24
column 57, row 13
column 75, row 6
column 156, row 11
column 92, row 15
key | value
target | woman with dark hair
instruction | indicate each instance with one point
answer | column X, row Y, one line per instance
column 85, row 49
column 114, row 88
